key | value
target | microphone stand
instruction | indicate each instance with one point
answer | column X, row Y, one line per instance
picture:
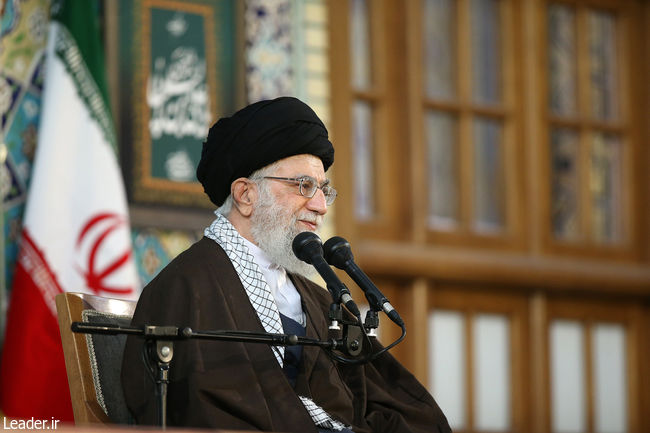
column 161, row 338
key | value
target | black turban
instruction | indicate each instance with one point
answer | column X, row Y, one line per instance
column 256, row 136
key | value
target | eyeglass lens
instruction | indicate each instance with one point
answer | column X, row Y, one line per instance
column 308, row 187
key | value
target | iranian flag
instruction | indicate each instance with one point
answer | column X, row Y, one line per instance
column 76, row 228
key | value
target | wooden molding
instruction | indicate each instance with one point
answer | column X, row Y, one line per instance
column 507, row 269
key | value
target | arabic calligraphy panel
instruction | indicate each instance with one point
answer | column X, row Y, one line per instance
column 180, row 79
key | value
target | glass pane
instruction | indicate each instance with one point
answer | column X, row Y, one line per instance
column 439, row 24
column 602, row 65
column 491, row 334
column 443, row 169
column 364, row 158
column 564, row 183
column 562, row 59
column 486, row 50
column 447, row 365
column 606, row 188
column 568, row 400
column 610, row 376
column 360, row 44
column 489, row 181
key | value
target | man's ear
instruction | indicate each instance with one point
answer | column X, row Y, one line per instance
column 244, row 194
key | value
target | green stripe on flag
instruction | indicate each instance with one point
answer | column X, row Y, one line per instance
column 78, row 45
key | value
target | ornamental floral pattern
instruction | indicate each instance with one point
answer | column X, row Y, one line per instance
column 269, row 71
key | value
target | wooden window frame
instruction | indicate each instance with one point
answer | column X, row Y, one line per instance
column 400, row 244
column 390, row 140
column 630, row 112
column 509, row 112
column 470, row 302
column 623, row 312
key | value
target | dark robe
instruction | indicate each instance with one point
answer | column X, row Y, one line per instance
column 230, row 385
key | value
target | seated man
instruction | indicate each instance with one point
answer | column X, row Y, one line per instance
column 264, row 168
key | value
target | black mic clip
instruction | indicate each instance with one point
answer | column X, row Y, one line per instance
column 351, row 342
column 352, row 339
column 371, row 323
column 352, row 336
column 335, row 315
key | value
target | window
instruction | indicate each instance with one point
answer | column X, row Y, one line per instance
column 505, row 162
column 477, row 349
column 591, row 360
column 368, row 109
column 589, row 146
column 469, row 119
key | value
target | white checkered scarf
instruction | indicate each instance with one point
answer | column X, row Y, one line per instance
column 261, row 298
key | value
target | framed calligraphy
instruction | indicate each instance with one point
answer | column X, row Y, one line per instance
column 176, row 65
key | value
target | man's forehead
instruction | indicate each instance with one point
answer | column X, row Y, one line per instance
column 303, row 163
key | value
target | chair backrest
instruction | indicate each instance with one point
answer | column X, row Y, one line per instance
column 93, row 362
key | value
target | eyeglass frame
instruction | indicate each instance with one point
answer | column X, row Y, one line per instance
column 299, row 180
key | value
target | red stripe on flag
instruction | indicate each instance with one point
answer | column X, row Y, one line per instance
column 35, row 264
column 33, row 380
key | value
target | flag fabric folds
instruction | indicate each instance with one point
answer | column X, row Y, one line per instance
column 76, row 233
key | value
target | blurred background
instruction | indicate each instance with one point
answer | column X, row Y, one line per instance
column 491, row 163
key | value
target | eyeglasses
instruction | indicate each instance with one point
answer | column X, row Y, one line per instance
column 308, row 187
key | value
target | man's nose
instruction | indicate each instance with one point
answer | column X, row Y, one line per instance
column 318, row 203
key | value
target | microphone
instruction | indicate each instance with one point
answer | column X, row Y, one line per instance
column 308, row 247
column 339, row 254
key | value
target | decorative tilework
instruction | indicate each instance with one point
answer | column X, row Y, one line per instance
column 286, row 51
column 153, row 249
column 9, row 91
column 23, row 37
column 269, row 72
column 24, row 30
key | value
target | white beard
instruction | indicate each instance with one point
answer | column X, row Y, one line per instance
column 274, row 227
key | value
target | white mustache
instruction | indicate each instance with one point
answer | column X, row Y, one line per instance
column 311, row 218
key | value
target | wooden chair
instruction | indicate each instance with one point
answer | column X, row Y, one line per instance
column 93, row 363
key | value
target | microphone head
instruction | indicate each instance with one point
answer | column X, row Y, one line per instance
column 306, row 246
column 338, row 252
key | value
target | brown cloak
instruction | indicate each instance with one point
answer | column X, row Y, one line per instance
column 229, row 385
